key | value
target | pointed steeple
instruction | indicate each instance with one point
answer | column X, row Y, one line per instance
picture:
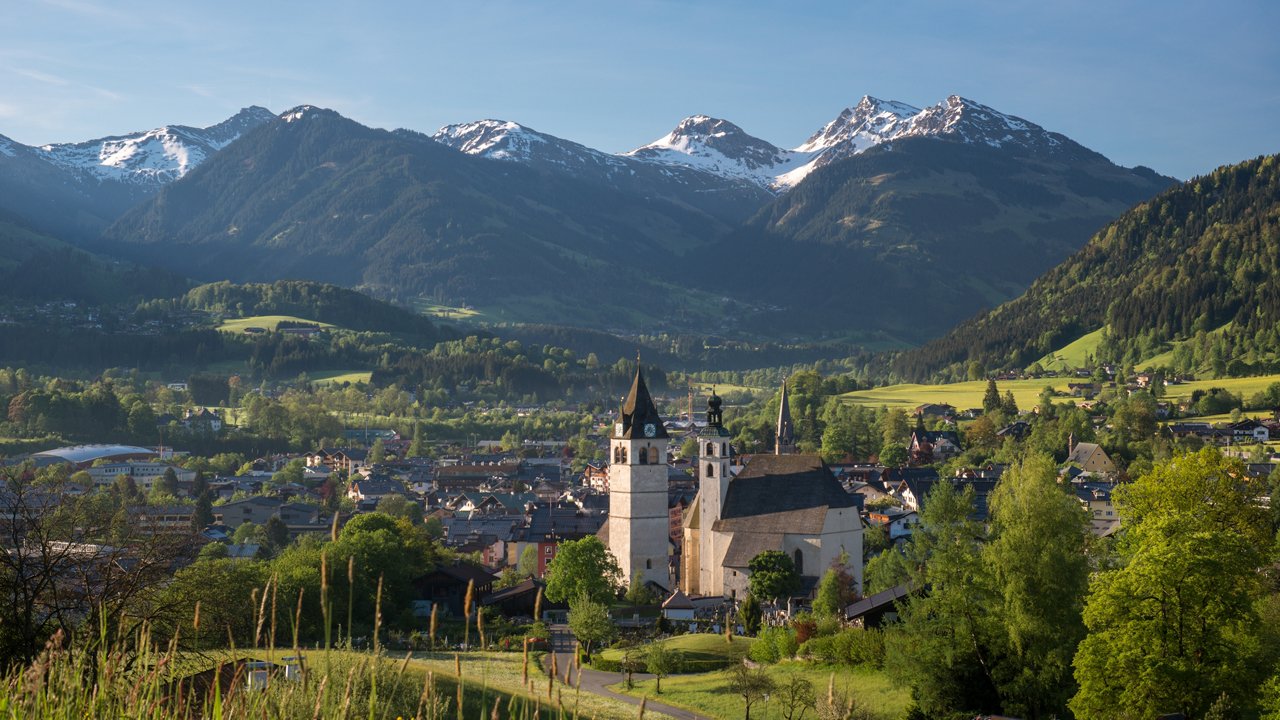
column 786, row 434
column 639, row 418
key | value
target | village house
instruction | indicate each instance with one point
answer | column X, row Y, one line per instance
column 1090, row 457
column 143, row 474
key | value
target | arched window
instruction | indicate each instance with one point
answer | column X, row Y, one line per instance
column 711, row 450
column 644, row 456
column 624, row 455
column 617, row 454
column 799, row 558
column 711, row 470
column 648, row 563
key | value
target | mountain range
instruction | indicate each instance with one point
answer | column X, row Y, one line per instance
column 889, row 223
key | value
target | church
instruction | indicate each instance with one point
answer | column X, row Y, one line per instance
column 784, row 501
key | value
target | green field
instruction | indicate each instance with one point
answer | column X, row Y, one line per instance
column 961, row 395
column 709, row 693
column 330, row 377
column 1073, row 354
column 266, row 322
column 1244, row 387
column 700, row 650
column 447, row 311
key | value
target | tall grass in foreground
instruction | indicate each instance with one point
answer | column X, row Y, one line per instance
column 135, row 677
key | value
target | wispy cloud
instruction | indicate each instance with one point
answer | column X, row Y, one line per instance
column 41, row 77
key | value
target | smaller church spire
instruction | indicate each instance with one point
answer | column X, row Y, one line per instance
column 785, row 436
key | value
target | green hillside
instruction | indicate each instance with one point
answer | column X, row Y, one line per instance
column 1195, row 258
column 1074, row 354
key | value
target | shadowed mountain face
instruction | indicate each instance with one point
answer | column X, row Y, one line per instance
column 909, row 238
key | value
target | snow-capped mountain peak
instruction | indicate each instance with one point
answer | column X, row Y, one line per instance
column 719, row 147
column 153, row 157
column 497, row 139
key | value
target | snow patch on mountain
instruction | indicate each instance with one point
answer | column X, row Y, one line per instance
column 6, row 146
column 156, row 156
column 297, row 113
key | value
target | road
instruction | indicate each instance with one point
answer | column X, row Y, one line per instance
column 597, row 682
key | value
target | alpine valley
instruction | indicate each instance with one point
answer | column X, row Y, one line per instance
column 886, row 227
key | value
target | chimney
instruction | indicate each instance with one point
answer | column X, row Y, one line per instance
column 1071, row 444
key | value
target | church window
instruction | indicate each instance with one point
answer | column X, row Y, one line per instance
column 799, row 558
column 617, row 454
column 648, row 563
column 644, row 456
column 624, row 455
column 711, row 470
column 711, row 450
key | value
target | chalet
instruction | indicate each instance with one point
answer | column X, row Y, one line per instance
column 203, row 420
column 371, row 490
column 929, row 446
column 446, row 587
column 1249, row 431
column 259, row 510
column 596, row 477
column 1096, row 498
column 941, row 410
column 474, row 503
column 1017, row 430
column 348, row 460
column 1083, row 390
column 898, row 523
column 1090, row 457
column 519, row 600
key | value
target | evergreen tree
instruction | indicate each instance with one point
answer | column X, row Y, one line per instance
column 991, row 402
column 416, row 447
column 377, row 452
column 202, row 516
column 168, row 482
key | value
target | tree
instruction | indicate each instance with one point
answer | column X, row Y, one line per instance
column 276, row 533
column 893, row 455
column 416, row 446
column 662, row 661
column 527, row 565
column 835, row 592
column 750, row 614
column 202, row 516
column 1039, row 573
column 751, row 684
column 583, row 567
column 377, row 452
column 991, row 402
column 795, row 696
column 1170, row 629
column 1009, row 406
column 248, row 532
column 773, row 575
column 945, row 646
column 639, row 594
column 590, row 622
column 400, row 506
column 168, row 482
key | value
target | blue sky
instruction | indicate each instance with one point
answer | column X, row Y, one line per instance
column 1180, row 86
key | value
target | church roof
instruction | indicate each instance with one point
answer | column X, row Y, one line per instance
column 746, row 545
column 785, row 430
column 639, row 411
column 772, row 484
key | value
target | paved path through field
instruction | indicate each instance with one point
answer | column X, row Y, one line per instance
column 597, row 682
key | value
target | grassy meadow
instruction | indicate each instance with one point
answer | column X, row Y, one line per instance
column 266, row 322
column 711, row 694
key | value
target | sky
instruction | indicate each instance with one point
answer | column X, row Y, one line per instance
column 1179, row 86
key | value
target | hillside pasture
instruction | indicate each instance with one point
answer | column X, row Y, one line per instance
column 266, row 322
column 962, row 395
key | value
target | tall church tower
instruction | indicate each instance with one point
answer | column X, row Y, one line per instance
column 785, row 437
column 638, row 515
column 713, row 486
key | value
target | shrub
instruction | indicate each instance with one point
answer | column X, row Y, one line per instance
column 806, row 627
column 774, row 644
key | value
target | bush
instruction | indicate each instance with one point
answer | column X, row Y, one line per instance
column 806, row 627
column 774, row 644
column 851, row 646
column 603, row 665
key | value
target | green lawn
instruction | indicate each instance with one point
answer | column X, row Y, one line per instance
column 709, row 693
column 700, row 650
column 1073, row 354
column 266, row 322
column 961, row 395
column 446, row 311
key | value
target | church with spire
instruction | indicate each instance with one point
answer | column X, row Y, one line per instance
column 637, row 531
column 786, row 501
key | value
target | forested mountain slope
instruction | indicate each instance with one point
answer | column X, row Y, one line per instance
column 1195, row 258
